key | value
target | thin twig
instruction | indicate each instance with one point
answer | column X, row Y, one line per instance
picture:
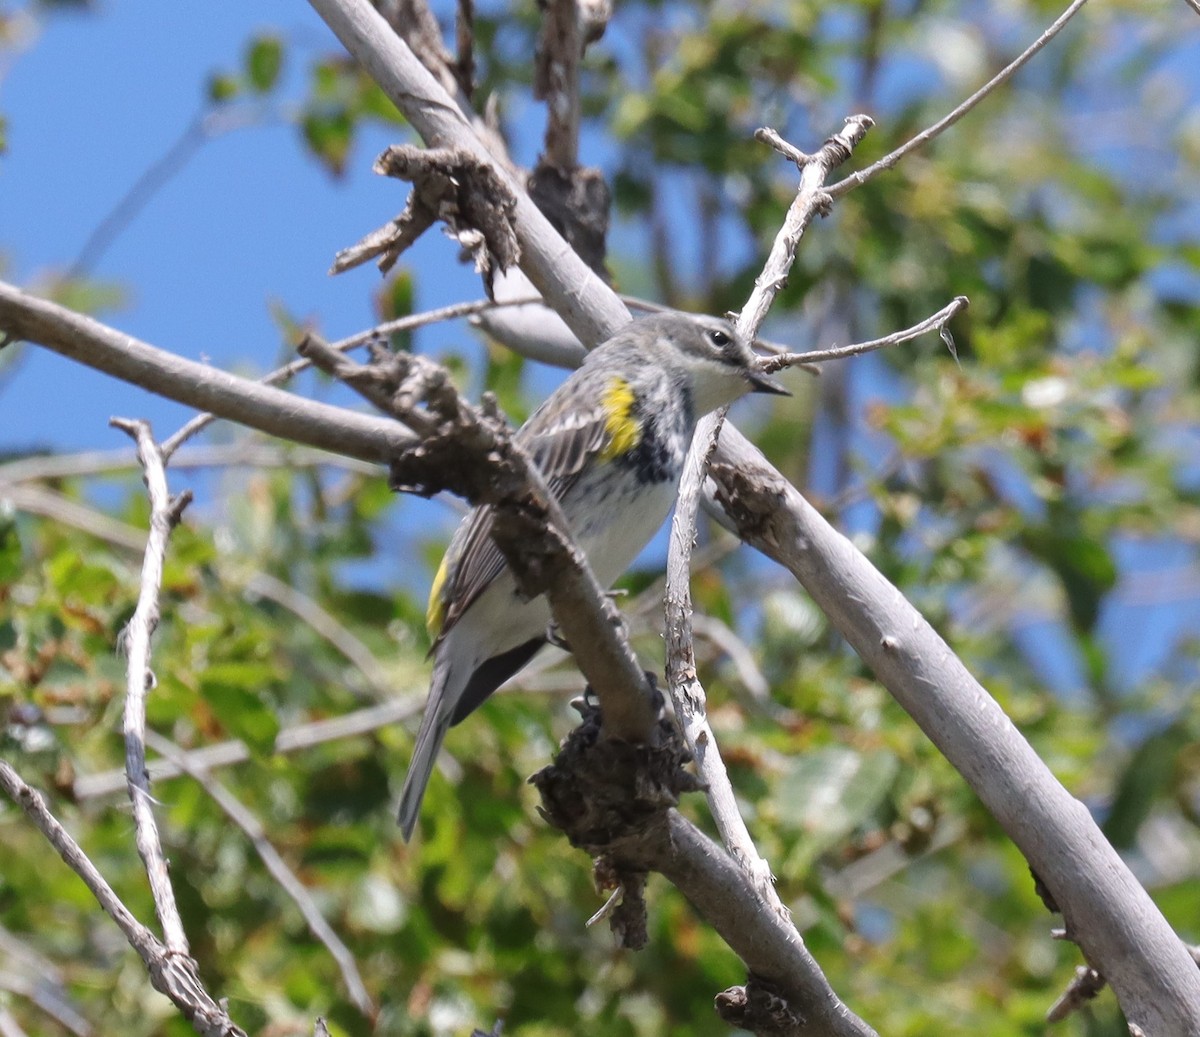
column 242, row 454
column 175, row 975
column 1083, row 988
column 686, row 691
column 937, row 322
column 888, row 161
column 607, row 907
column 49, row 998
column 1193, row 4
column 785, row 148
column 379, row 333
column 812, row 197
column 292, row 739
column 135, row 639
column 252, row 828
column 284, row 414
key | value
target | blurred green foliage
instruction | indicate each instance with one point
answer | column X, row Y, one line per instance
column 994, row 492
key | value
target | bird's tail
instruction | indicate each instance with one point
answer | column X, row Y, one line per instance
column 434, row 725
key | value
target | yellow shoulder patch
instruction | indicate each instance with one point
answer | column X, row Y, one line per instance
column 624, row 432
column 435, row 613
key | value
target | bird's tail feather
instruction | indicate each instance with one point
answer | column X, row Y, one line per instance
column 434, row 725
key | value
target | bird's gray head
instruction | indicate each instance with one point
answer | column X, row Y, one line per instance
column 718, row 363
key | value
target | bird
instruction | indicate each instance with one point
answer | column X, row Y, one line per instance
column 610, row 442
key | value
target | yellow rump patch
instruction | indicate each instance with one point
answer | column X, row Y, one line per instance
column 624, row 432
column 435, row 613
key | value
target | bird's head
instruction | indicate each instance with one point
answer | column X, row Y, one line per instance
column 717, row 362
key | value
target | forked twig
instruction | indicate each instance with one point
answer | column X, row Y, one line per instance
column 686, row 692
column 172, row 974
column 936, row 322
column 1003, row 76
column 289, row 882
column 135, row 640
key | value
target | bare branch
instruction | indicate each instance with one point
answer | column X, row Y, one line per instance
column 590, row 308
column 174, row 975
column 450, row 185
column 1194, row 5
column 1106, row 911
column 556, row 81
column 289, row 740
column 889, row 160
column 243, row 454
column 764, row 939
column 280, row 413
column 686, row 692
column 375, row 334
column 937, row 322
column 252, row 828
column 135, row 640
column 788, row 151
column 812, row 197
column 1083, row 988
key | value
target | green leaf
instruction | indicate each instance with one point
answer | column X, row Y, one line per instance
column 223, row 87
column 264, row 61
column 828, row 792
column 1083, row 565
column 232, row 692
column 329, row 135
column 1145, row 778
column 395, row 300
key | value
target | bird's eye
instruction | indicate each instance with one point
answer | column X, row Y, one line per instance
column 718, row 337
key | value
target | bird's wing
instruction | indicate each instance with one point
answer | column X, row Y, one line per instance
column 561, row 445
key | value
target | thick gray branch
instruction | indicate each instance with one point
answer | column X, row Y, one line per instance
column 766, row 941
column 1106, row 911
column 95, row 345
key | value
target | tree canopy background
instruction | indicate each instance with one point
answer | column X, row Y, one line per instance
column 1036, row 498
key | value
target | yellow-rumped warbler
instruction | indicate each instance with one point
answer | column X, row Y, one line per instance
column 610, row 442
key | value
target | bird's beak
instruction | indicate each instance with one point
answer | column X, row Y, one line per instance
column 761, row 382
